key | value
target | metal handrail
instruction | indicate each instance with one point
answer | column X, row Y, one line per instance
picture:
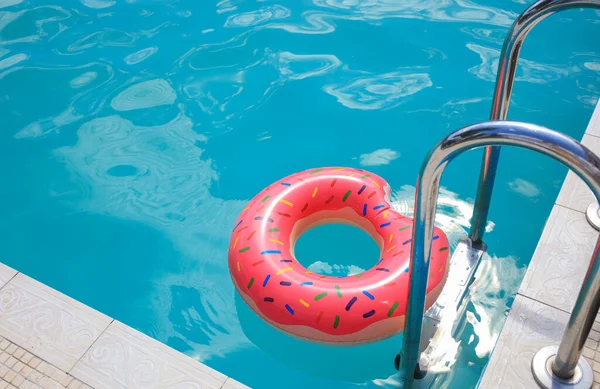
column 497, row 133
column 507, row 68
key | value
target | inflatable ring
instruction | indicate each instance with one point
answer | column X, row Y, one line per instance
column 355, row 309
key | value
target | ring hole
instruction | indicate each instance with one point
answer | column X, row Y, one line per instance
column 338, row 250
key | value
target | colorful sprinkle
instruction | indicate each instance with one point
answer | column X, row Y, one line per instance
column 375, row 208
column 260, row 208
column 385, row 213
column 267, row 278
column 265, row 198
column 390, row 284
column 383, row 269
column 236, row 240
column 238, row 266
column 316, row 171
column 258, row 263
column 319, row 316
column 398, row 253
column 284, row 214
column 274, row 230
column 365, row 176
column 372, row 194
column 305, row 206
column 329, row 200
column 362, row 188
column 338, row 169
column 320, row 296
column 390, row 239
column 391, row 248
column 358, row 275
column 351, row 303
column 407, row 242
column 336, row 322
column 237, row 225
column 333, row 182
column 381, row 260
column 365, row 210
column 304, row 303
column 289, row 309
column 346, row 196
column 404, row 228
column 286, row 260
column 315, row 191
column 385, row 224
column 269, row 252
column 393, row 308
column 369, row 295
column 242, row 229
column 279, row 272
column 305, row 283
column 285, row 184
column 285, row 283
column 251, row 282
column 375, row 182
column 261, row 218
column 435, row 237
column 269, row 299
column 251, row 235
column 339, row 292
column 369, row 314
column 444, row 249
column 244, row 249
column 282, row 201
column 278, row 241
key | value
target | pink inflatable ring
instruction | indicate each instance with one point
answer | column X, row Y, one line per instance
column 355, row 309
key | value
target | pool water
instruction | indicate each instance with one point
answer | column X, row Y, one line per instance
column 134, row 132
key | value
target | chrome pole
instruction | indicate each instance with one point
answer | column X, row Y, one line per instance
column 505, row 78
column 498, row 133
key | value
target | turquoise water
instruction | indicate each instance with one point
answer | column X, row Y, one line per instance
column 133, row 133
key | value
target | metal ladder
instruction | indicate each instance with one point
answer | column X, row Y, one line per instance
column 553, row 367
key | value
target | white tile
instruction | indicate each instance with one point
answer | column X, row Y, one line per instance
column 47, row 323
column 574, row 193
column 561, row 259
column 233, row 384
column 125, row 358
column 594, row 124
column 6, row 273
column 529, row 327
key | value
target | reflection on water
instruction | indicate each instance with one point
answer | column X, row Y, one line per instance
column 142, row 129
column 382, row 91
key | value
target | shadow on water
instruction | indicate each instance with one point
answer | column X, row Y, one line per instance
column 344, row 363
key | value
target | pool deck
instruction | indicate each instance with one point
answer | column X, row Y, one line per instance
column 50, row 341
column 543, row 304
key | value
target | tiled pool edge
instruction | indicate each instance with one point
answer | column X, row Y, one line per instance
column 84, row 344
column 548, row 291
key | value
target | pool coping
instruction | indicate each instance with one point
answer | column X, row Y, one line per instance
column 49, row 340
column 549, row 289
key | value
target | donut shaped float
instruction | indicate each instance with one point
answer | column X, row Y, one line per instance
column 356, row 309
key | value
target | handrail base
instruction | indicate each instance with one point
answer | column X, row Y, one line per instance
column 541, row 366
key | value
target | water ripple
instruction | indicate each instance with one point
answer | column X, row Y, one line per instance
column 382, row 91
column 141, row 55
column 257, row 17
column 107, row 38
column 146, row 94
column 529, row 71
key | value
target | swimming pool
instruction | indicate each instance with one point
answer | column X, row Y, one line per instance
column 134, row 133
